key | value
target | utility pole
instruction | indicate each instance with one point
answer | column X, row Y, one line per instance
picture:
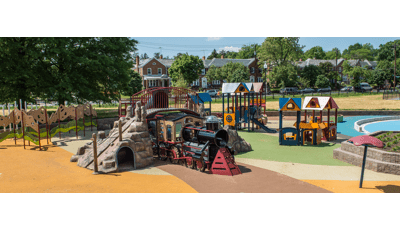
column 394, row 82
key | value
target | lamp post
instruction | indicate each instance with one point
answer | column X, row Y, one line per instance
column 265, row 76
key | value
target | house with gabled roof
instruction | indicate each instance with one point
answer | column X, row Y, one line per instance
column 154, row 71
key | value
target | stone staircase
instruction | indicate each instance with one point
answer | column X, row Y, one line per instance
column 377, row 160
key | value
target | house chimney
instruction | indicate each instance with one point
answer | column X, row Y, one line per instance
column 222, row 56
column 204, row 58
column 161, row 56
column 301, row 59
column 137, row 62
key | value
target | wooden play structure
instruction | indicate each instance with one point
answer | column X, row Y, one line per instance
column 243, row 105
column 35, row 124
column 317, row 129
column 289, row 135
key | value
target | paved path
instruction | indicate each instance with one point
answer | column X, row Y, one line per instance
column 253, row 180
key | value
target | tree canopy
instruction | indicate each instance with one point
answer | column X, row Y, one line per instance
column 134, row 85
column 315, row 52
column 310, row 73
column 280, row 50
column 284, row 75
column 186, row 67
column 330, row 55
column 66, row 69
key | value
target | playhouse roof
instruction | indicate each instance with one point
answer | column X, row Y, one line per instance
column 319, row 103
column 203, row 97
column 234, row 87
column 257, row 86
column 284, row 101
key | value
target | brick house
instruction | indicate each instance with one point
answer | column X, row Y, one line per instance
column 202, row 82
column 154, row 72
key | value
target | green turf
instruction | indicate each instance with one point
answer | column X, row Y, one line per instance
column 266, row 147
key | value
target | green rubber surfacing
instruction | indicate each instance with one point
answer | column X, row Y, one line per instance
column 266, row 147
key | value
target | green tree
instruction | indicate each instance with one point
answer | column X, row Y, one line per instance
column 279, row 50
column 346, row 52
column 247, row 52
column 322, row 81
column 310, row 73
column 144, row 56
column 214, row 73
column 213, row 54
column 157, row 55
column 355, row 73
column 315, row 52
column 284, row 75
column 386, row 51
column 187, row 67
column 330, row 55
column 134, row 85
column 234, row 72
column 80, row 69
column 19, row 76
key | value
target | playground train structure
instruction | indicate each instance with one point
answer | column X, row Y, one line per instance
column 189, row 140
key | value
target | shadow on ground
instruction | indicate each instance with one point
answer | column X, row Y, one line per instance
column 389, row 188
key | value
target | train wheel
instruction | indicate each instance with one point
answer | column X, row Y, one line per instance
column 193, row 166
column 201, row 166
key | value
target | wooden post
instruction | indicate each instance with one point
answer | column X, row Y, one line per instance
column 15, row 138
column 305, row 116
column 47, row 127
column 313, row 116
column 83, row 110
column 40, row 147
column 59, row 123
column 76, row 124
column 95, row 167
column 119, row 130
column 336, row 118
column 329, row 123
column 23, row 127
column 91, row 123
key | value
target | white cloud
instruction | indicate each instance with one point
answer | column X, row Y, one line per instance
column 213, row 38
column 229, row 48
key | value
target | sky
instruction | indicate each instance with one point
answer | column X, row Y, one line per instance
column 203, row 46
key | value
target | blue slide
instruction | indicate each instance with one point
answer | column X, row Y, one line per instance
column 268, row 130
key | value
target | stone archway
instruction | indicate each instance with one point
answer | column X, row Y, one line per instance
column 126, row 159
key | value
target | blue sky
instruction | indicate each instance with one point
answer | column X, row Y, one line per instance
column 203, row 46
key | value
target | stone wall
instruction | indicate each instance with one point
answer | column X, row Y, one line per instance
column 377, row 160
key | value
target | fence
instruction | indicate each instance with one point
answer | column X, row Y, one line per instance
column 391, row 95
column 330, row 93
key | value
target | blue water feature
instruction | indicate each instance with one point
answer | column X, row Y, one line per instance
column 347, row 126
column 393, row 125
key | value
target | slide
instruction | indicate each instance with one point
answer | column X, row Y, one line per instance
column 268, row 130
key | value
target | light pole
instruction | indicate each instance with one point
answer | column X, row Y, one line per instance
column 265, row 77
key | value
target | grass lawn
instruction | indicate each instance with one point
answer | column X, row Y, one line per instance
column 266, row 147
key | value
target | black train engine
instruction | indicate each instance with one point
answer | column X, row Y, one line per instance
column 201, row 144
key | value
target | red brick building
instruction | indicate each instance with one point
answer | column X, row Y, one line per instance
column 154, row 72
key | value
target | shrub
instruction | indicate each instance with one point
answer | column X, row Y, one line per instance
column 395, row 141
column 389, row 144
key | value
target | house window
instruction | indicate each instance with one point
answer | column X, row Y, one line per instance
column 197, row 82
column 149, row 71
column 154, row 63
column 159, row 71
column 251, row 78
column 252, row 69
column 203, row 71
column 340, row 69
column 216, row 82
column 259, row 79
